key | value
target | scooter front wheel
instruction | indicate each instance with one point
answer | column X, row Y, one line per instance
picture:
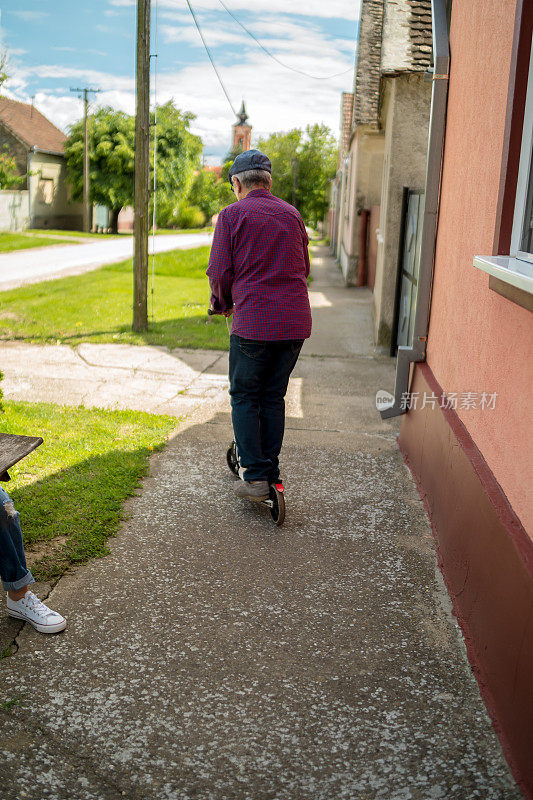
column 277, row 508
column 231, row 458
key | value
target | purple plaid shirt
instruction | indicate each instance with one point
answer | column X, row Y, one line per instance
column 259, row 264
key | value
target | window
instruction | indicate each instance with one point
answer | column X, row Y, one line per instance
column 517, row 268
column 46, row 191
column 522, row 236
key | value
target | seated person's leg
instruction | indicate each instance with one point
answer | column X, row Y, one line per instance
column 17, row 578
column 15, row 575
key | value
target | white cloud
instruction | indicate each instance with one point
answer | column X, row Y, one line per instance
column 344, row 9
column 72, row 50
column 301, row 47
column 183, row 17
column 103, row 80
column 30, row 16
column 213, row 35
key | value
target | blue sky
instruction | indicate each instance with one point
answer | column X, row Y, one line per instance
column 54, row 46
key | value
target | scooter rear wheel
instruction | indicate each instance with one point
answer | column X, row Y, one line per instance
column 277, row 509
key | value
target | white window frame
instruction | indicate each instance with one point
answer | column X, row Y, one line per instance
column 517, row 267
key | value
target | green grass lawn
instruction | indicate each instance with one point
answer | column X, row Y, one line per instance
column 20, row 241
column 96, row 306
column 174, row 231
column 70, row 491
column 73, row 234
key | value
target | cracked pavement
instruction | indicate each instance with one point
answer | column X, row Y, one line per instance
column 142, row 378
column 213, row 656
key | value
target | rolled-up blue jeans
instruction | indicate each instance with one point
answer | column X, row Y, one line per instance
column 13, row 570
column 259, row 374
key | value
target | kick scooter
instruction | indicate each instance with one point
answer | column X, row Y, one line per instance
column 275, row 502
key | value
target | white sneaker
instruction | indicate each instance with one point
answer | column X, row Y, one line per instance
column 32, row 610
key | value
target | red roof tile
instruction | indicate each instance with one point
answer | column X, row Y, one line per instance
column 30, row 126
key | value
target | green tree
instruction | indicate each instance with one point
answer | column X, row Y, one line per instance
column 282, row 149
column 204, row 192
column 225, row 195
column 316, row 166
column 10, row 176
column 111, row 160
column 210, row 193
column 9, row 172
column 178, row 157
column 303, row 163
column 112, row 156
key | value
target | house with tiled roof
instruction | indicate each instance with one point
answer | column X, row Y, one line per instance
column 37, row 146
column 387, row 149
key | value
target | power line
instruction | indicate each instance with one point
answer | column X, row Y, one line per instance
column 281, row 63
column 211, row 58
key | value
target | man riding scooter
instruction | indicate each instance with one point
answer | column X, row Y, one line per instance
column 258, row 271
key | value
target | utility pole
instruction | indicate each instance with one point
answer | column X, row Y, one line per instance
column 142, row 170
column 86, row 208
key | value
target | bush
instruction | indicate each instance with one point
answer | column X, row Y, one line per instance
column 190, row 217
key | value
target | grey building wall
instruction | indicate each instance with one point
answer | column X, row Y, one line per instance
column 363, row 189
column 405, row 118
column 61, row 212
column 14, row 210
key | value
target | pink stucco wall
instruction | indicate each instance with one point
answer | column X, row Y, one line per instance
column 479, row 341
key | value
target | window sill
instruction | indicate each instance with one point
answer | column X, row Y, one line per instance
column 507, row 269
column 506, row 280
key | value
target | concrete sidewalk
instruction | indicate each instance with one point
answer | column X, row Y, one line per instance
column 215, row 657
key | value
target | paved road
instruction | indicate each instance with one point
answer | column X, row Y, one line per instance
column 215, row 657
column 36, row 264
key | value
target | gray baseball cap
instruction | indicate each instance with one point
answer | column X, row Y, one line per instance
column 250, row 159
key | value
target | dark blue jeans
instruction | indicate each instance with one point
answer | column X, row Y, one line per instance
column 13, row 570
column 259, row 375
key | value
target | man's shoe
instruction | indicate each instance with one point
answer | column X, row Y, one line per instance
column 32, row 610
column 252, row 490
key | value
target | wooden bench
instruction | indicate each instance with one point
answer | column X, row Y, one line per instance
column 13, row 448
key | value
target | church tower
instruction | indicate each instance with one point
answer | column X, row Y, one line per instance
column 242, row 132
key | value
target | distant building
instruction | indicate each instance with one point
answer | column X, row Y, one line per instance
column 38, row 148
column 241, row 140
column 242, row 132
